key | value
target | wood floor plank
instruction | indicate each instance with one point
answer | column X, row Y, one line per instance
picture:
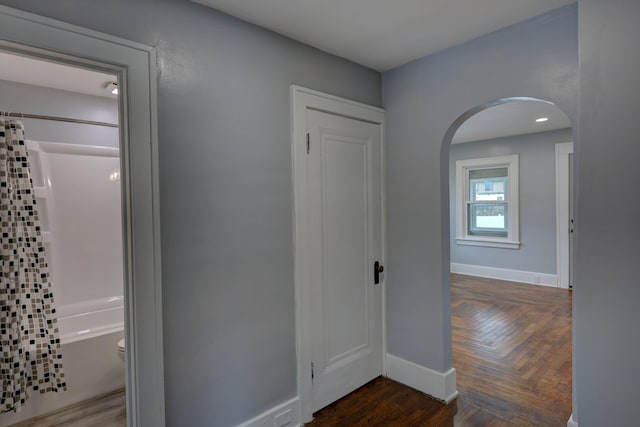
column 105, row 411
column 384, row 402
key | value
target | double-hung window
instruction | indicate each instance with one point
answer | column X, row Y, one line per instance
column 487, row 202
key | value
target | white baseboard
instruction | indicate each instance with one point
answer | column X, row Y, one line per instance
column 571, row 422
column 533, row 278
column 441, row 385
column 286, row 414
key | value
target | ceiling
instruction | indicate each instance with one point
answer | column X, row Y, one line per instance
column 383, row 34
column 510, row 119
column 37, row 72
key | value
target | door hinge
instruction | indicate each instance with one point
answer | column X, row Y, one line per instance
column 312, row 374
column 308, row 143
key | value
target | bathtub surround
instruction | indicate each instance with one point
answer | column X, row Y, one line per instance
column 79, row 199
column 30, row 360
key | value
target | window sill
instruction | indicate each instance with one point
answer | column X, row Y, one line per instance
column 490, row 243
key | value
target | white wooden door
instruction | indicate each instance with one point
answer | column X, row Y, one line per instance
column 571, row 223
column 344, row 181
column 564, row 212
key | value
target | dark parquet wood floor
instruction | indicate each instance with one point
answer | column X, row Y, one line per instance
column 512, row 353
column 383, row 402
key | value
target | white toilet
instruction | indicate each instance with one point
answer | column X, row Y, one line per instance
column 121, row 349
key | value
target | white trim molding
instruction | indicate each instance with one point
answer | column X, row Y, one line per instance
column 441, row 385
column 462, row 195
column 533, row 278
column 134, row 64
column 572, row 422
column 487, row 242
column 286, row 414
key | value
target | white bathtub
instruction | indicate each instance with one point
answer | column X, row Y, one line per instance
column 90, row 319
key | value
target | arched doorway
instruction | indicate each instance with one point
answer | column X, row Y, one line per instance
column 509, row 222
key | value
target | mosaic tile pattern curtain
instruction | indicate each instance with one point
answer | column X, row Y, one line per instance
column 30, row 357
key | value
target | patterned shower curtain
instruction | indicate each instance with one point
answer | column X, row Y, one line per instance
column 30, row 357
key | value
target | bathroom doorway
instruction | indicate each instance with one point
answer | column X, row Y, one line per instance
column 29, row 35
column 71, row 129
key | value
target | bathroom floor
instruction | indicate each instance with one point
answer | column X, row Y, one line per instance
column 105, row 411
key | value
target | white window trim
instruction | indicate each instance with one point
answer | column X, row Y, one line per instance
column 512, row 241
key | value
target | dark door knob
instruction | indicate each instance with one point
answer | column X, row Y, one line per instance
column 377, row 269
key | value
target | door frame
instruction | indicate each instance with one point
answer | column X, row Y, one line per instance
column 563, row 150
column 302, row 99
column 135, row 66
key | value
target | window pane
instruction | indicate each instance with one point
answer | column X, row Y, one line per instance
column 488, row 184
column 488, row 219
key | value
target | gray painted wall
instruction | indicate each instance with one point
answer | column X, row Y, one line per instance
column 537, row 58
column 22, row 98
column 537, row 192
column 226, row 195
column 607, row 337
